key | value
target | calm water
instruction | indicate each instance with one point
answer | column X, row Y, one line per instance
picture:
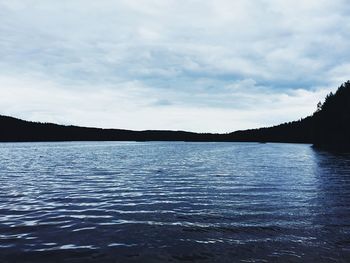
column 159, row 202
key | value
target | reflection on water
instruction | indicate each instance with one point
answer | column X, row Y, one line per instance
column 166, row 201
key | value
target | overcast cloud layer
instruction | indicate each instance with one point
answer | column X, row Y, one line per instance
column 198, row 65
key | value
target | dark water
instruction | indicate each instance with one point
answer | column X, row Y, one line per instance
column 169, row 202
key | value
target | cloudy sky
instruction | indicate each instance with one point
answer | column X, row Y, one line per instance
column 197, row 65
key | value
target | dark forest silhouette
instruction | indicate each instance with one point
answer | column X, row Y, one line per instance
column 331, row 121
column 328, row 127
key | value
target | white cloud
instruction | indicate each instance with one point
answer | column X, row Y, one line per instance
column 171, row 64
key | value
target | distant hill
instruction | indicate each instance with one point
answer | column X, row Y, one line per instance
column 328, row 127
column 293, row 132
column 16, row 130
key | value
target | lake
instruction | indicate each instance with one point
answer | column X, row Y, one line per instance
column 173, row 202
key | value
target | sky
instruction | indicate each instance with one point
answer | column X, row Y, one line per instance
column 195, row 65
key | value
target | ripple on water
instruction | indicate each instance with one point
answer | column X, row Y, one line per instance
column 173, row 201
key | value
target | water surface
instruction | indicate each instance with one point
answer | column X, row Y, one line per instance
column 173, row 201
